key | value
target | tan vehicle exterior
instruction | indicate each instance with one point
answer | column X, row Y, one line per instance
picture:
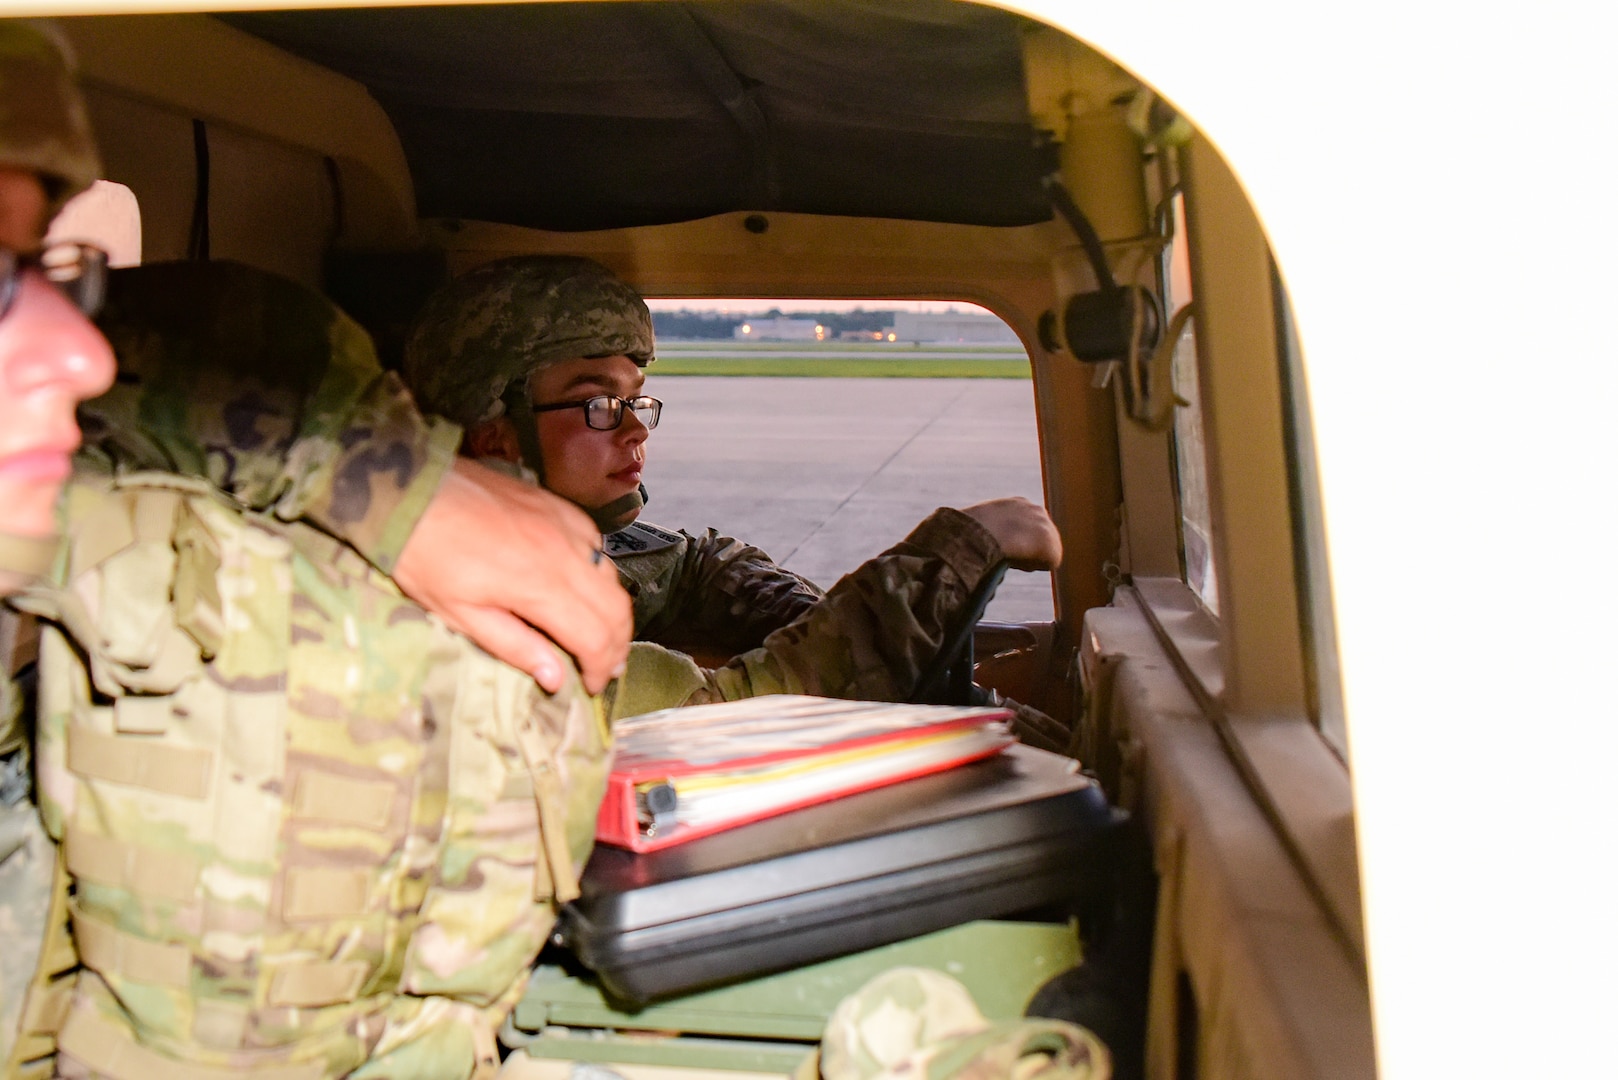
column 1372, row 790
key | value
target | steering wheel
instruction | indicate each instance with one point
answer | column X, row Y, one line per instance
column 948, row 679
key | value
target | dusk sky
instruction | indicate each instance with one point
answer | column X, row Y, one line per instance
column 758, row 307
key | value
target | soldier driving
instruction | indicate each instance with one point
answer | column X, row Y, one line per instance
column 542, row 359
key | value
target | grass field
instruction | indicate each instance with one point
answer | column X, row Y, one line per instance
column 832, row 367
column 732, row 347
column 836, row 360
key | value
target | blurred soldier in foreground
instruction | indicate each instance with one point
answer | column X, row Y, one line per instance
column 369, row 468
column 50, row 359
column 310, row 828
column 542, row 359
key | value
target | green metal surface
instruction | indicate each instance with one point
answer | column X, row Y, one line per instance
column 1001, row 963
column 735, row 1055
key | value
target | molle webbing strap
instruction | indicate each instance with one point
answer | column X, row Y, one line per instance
column 50, row 991
column 114, row 954
column 28, row 557
column 325, row 892
column 141, row 714
column 517, row 786
column 310, row 986
column 343, row 800
column 136, row 868
column 220, row 1023
column 36, row 1044
column 111, row 952
column 109, row 1050
column 173, row 770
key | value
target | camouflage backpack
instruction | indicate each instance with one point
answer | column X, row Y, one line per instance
column 310, row 829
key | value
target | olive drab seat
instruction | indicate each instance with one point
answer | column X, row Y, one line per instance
column 309, row 828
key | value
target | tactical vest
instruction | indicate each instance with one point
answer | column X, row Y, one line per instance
column 309, row 828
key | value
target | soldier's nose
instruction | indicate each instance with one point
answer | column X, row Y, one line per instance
column 632, row 431
column 46, row 342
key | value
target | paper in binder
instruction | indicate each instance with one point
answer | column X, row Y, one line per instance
column 683, row 773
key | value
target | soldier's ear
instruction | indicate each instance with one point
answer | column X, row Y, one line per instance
column 494, row 438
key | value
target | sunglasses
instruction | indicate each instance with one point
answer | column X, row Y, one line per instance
column 78, row 270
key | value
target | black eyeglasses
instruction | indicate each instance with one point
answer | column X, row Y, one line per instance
column 79, row 270
column 605, row 412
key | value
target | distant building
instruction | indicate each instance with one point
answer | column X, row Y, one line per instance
column 780, row 330
column 950, row 327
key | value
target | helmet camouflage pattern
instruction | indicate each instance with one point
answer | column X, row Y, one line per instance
column 508, row 318
column 910, row 1023
column 43, row 126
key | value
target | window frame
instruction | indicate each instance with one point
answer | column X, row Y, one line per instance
column 1247, row 669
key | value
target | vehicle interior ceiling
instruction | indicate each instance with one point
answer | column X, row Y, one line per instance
column 839, row 148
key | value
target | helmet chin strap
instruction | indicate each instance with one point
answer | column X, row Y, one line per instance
column 520, row 411
column 619, row 513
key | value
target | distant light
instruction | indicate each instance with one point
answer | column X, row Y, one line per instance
column 893, row 337
column 747, row 328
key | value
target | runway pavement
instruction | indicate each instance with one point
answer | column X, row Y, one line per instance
column 822, row 473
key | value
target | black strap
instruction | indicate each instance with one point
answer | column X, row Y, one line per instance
column 520, row 411
column 1088, row 237
column 339, row 212
column 197, row 249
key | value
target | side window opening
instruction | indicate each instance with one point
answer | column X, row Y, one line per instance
column 1190, row 456
column 823, row 431
column 107, row 215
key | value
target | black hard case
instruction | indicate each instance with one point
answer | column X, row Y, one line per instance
column 1009, row 834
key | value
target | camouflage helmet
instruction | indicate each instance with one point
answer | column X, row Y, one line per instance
column 507, row 319
column 911, row 1023
column 43, row 126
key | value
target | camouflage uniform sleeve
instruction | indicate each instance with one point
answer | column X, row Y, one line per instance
column 725, row 594
column 365, row 472
column 870, row 637
column 301, row 424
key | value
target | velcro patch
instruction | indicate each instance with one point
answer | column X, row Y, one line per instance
column 637, row 539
